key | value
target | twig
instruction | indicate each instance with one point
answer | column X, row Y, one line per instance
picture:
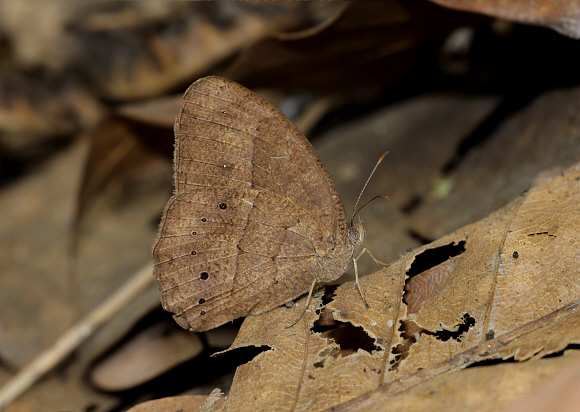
column 75, row 336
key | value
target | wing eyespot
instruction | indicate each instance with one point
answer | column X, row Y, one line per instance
column 201, row 301
column 193, row 232
column 193, row 253
column 203, row 219
column 202, row 312
column 223, row 206
column 204, row 275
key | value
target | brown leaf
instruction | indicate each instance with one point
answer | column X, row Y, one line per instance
column 37, row 113
column 493, row 304
column 481, row 389
column 560, row 392
column 185, row 403
column 160, row 112
column 364, row 44
column 150, row 353
column 562, row 16
column 120, row 148
column 188, row 40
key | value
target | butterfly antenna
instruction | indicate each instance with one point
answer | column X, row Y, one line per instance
column 365, row 186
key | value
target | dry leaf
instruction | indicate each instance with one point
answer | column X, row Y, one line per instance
column 213, row 402
column 555, row 393
column 185, row 403
column 38, row 115
column 364, row 44
column 494, row 304
column 147, row 355
column 562, row 16
column 477, row 389
column 173, row 50
column 160, row 112
column 123, row 149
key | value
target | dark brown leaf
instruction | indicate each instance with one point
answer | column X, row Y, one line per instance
column 364, row 45
column 562, row 16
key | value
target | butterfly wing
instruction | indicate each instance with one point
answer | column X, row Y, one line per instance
column 253, row 212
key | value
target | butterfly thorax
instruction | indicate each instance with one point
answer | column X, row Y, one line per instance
column 339, row 258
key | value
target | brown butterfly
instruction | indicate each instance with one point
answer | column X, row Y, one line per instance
column 255, row 220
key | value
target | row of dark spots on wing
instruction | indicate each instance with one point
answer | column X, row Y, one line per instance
column 205, row 275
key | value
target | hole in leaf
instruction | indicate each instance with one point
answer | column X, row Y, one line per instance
column 348, row 337
column 410, row 331
column 329, row 292
column 429, row 273
column 432, row 257
column 459, row 334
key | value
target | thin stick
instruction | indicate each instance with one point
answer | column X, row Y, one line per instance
column 75, row 336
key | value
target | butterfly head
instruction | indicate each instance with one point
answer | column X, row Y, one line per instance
column 356, row 232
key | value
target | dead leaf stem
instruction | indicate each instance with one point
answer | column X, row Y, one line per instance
column 303, row 371
column 403, row 274
column 496, row 272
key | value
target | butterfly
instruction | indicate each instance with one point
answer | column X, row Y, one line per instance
column 255, row 220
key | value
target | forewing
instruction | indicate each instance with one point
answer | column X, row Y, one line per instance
column 254, row 208
column 228, row 136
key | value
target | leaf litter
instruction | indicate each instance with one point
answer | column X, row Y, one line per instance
column 505, row 305
column 554, row 119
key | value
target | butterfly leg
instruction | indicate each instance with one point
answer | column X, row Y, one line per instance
column 305, row 306
column 358, row 284
column 378, row 262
